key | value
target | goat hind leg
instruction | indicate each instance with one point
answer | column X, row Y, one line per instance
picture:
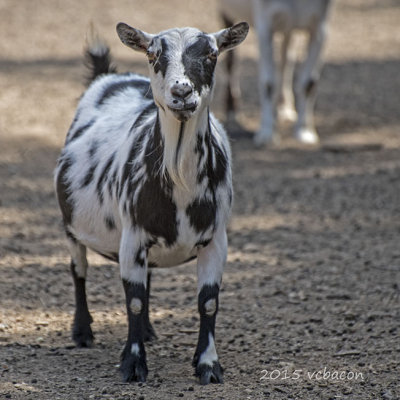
column 149, row 332
column 81, row 332
column 267, row 80
column 305, row 87
column 286, row 108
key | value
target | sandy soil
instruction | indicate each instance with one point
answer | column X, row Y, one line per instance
column 310, row 302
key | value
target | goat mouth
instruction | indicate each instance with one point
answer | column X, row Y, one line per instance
column 185, row 112
column 185, row 107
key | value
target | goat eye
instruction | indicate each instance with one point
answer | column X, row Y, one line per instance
column 151, row 55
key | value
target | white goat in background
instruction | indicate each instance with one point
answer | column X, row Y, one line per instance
column 279, row 92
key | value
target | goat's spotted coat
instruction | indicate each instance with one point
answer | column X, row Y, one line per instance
column 145, row 179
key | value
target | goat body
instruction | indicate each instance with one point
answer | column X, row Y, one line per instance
column 144, row 179
column 295, row 98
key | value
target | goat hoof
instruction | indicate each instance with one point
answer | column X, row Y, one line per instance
column 307, row 136
column 287, row 114
column 133, row 368
column 82, row 335
column 261, row 139
column 210, row 374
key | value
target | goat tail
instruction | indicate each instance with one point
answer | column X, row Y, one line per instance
column 97, row 56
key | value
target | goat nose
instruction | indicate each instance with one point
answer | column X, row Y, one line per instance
column 181, row 90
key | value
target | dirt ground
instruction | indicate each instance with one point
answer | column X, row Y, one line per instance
column 310, row 304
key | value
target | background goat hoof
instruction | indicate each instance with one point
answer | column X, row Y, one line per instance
column 210, row 374
column 261, row 139
column 287, row 114
column 133, row 368
column 82, row 335
column 307, row 136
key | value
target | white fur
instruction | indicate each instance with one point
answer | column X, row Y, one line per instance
column 135, row 350
column 209, row 356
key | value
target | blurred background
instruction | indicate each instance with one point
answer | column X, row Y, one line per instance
column 313, row 273
column 42, row 43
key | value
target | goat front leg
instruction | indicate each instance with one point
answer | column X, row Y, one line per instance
column 210, row 264
column 305, row 87
column 133, row 264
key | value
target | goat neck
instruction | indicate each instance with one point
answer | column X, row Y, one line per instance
column 180, row 138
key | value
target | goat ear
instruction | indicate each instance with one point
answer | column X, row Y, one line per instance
column 231, row 37
column 134, row 38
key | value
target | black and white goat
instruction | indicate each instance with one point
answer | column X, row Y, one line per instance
column 145, row 179
column 279, row 93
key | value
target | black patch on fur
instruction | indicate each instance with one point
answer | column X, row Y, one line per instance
column 63, row 191
column 113, row 183
column 200, row 150
column 114, row 88
column 89, row 176
column 103, row 178
column 218, row 173
column 178, row 147
column 140, row 258
column 161, row 61
column 202, row 213
column 79, row 131
column 154, row 210
column 109, row 222
column 215, row 173
column 199, row 68
column 93, row 148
